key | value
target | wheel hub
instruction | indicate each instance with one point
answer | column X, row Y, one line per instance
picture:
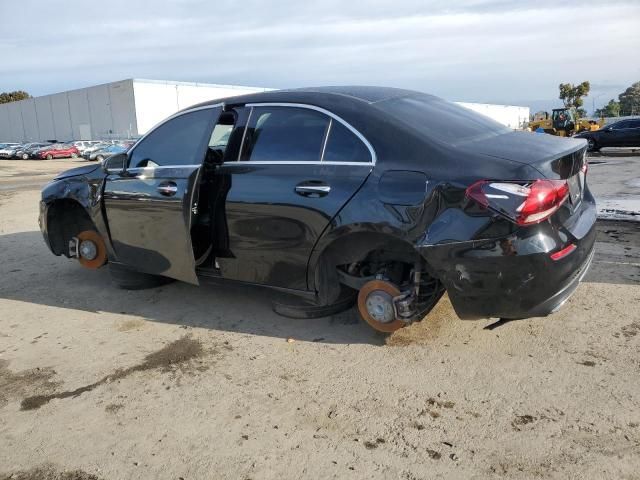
column 92, row 252
column 88, row 250
column 375, row 305
column 380, row 306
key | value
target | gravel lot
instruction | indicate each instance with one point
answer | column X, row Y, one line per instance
column 186, row 382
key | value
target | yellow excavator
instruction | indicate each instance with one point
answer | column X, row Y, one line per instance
column 563, row 122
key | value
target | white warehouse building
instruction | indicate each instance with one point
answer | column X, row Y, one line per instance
column 124, row 109
column 129, row 108
column 512, row 116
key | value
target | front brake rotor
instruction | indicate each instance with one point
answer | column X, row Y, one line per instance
column 375, row 304
column 92, row 252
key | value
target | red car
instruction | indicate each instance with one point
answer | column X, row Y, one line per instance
column 59, row 150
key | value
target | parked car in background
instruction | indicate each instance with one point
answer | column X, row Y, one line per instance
column 102, row 153
column 8, row 150
column 391, row 195
column 31, row 152
column 93, row 148
column 59, row 150
column 24, row 151
column 83, row 145
column 625, row 133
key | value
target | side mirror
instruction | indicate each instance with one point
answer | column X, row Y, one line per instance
column 115, row 164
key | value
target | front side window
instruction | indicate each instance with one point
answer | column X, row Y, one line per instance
column 284, row 134
column 179, row 141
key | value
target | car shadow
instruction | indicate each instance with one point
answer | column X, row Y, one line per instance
column 30, row 273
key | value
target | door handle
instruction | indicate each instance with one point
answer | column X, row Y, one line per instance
column 307, row 189
column 168, row 189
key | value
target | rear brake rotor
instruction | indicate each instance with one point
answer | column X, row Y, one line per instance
column 92, row 252
column 375, row 304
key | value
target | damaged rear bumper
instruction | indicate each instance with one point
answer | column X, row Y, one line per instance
column 513, row 277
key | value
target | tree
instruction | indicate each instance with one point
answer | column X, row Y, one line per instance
column 630, row 100
column 611, row 109
column 572, row 95
column 6, row 97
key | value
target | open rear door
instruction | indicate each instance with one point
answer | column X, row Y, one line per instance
column 148, row 206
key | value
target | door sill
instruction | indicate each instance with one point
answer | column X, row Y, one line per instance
column 212, row 275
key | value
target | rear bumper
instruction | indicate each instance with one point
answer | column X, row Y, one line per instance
column 556, row 301
column 514, row 277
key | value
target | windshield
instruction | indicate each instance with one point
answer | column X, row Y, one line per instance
column 440, row 120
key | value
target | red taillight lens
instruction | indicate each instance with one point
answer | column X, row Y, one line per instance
column 524, row 203
column 545, row 197
column 563, row 253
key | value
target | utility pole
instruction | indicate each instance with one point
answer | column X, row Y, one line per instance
column 593, row 103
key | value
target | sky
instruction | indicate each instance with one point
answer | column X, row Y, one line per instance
column 493, row 51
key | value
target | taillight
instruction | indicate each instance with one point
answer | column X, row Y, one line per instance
column 524, row 203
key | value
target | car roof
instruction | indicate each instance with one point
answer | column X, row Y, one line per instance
column 319, row 96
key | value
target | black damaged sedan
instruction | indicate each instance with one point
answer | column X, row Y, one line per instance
column 327, row 193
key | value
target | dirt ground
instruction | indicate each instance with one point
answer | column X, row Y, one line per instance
column 181, row 382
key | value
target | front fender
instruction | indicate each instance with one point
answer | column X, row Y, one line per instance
column 86, row 191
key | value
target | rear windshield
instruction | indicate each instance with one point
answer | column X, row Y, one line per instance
column 442, row 121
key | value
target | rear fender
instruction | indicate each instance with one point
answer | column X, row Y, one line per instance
column 367, row 224
column 351, row 248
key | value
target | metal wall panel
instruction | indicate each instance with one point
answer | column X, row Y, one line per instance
column 62, row 117
column 5, row 125
column 30, row 120
column 16, row 126
column 94, row 113
column 45, row 118
column 80, row 118
column 123, row 113
column 100, row 111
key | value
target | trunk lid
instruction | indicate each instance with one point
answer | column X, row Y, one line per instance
column 554, row 157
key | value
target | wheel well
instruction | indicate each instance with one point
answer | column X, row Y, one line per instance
column 359, row 256
column 65, row 219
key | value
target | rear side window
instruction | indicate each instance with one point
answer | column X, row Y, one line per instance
column 344, row 146
column 284, row 134
column 179, row 141
column 440, row 120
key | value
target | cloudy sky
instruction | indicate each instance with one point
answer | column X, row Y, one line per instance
column 470, row 50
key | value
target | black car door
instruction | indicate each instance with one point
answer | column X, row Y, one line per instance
column 296, row 167
column 148, row 206
column 631, row 136
column 614, row 135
